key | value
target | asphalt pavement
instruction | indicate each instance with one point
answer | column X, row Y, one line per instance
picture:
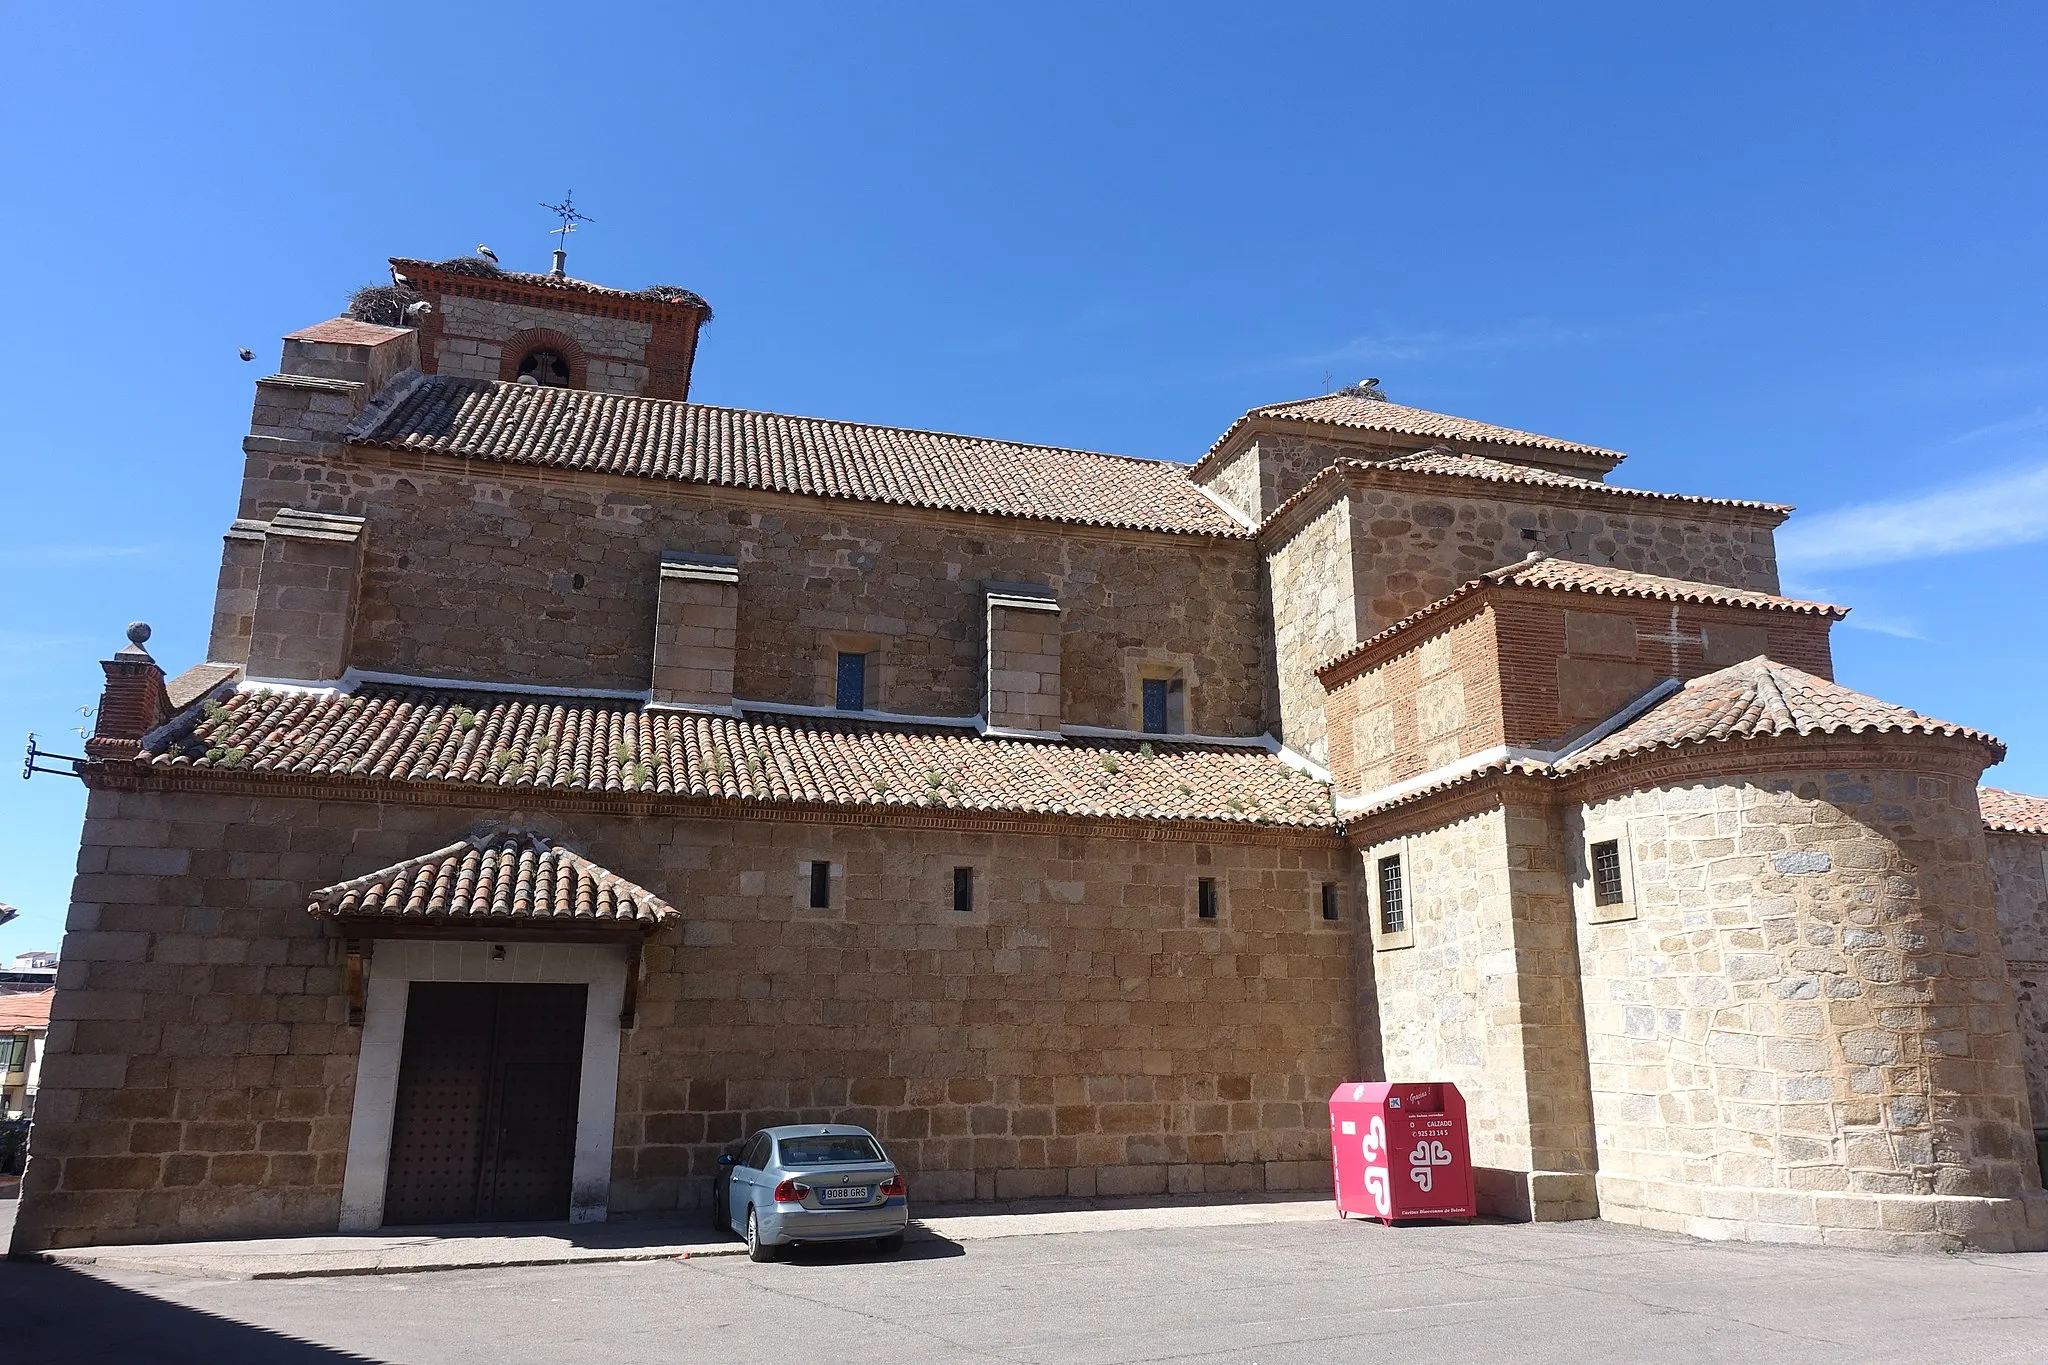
column 1278, row 1292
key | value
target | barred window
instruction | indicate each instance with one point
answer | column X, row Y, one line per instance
column 1607, row 873
column 1393, row 897
column 1205, row 898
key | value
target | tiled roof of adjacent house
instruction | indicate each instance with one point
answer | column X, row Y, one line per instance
column 524, row 742
column 1376, row 414
column 1758, row 698
column 495, row 878
column 1566, row 575
column 27, row 1011
column 2013, row 812
column 735, row 448
column 346, row 332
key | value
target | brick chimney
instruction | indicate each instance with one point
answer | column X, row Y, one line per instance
column 134, row 702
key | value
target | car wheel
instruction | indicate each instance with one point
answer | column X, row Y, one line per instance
column 756, row 1251
column 721, row 1201
column 889, row 1245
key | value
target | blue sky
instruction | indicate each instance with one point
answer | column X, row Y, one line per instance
column 1783, row 252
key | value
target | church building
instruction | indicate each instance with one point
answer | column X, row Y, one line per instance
column 580, row 776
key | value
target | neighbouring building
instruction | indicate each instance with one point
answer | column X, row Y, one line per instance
column 580, row 776
column 24, row 1021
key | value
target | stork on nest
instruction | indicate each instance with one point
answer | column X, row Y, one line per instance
column 1364, row 388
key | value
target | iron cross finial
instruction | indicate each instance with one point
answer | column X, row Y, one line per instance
column 566, row 211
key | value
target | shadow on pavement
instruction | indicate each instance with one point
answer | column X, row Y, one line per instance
column 921, row 1245
column 58, row 1316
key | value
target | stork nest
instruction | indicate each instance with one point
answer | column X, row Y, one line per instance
column 671, row 293
column 468, row 265
column 383, row 304
column 1368, row 390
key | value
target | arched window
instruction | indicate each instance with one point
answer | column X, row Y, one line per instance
column 546, row 366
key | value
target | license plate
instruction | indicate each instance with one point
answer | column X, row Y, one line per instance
column 844, row 1194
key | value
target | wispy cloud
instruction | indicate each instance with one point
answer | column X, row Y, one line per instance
column 73, row 554
column 2004, row 509
column 1528, row 334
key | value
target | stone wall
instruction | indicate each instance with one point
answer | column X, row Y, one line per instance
column 471, row 331
column 1481, row 990
column 2019, row 871
column 1410, row 548
column 1800, row 1025
column 1315, row 618
column 1079, row 1032
column 542, row 578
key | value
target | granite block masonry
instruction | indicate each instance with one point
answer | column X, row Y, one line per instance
column 1073, row 822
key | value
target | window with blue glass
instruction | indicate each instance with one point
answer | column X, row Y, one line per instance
column 1155, row 706
column 852, row 692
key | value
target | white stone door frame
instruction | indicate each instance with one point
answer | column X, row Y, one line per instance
column 394, row 965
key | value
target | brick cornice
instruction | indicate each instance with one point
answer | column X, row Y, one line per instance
column 1484, row 791
column 492, row 797
column 509, row 288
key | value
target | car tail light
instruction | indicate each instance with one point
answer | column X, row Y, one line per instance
column 892, row 1188
column 790, row 1192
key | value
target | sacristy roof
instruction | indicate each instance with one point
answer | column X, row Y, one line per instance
column 1758, row 698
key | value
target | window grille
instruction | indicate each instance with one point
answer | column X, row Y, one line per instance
column 1393, row 897
column 1607, row 873
column 1155, row 706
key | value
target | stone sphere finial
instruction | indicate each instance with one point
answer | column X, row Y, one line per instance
column 138, row 632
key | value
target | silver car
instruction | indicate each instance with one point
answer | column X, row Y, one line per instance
column 809, row 1182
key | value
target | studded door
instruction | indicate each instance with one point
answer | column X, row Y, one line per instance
column 484, row 1128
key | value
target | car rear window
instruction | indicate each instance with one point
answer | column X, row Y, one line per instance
column 828, row 1148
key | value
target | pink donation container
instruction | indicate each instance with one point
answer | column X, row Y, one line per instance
column 1401, row 1151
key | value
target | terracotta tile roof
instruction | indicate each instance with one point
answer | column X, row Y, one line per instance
column 24, row 1012
column 347, row 332
column 1376, row 414
column 1757, row 698
column 524, row 742
column 1451, row 464
column 731, row 447
column 2013, row 812
column 478, row 269
column 495, row 878
column 1566, row 575
column 1548, row 571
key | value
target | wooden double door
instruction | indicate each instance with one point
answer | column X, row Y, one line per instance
column 484, row 1128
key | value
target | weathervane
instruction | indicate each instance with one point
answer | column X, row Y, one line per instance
column 566, row 211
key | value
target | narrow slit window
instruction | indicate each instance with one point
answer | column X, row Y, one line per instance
column 1329, row 900
column 851, row 693
column 963, row 890
column 1205, row 898
column 1393, row 897
column 821, row 886
column 1607, row 873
